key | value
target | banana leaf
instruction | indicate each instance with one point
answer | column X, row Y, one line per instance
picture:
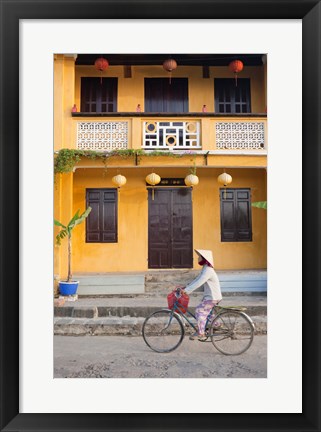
column 260, row 204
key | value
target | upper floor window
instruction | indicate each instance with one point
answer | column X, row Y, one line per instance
column 162, row 96
column 236, row 221
column 98, row 95
column 232, row 98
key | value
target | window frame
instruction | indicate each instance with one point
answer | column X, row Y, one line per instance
column 221, row 84
column 101, row 217
column 93, row 84
column 236, row 229
column 164, row 87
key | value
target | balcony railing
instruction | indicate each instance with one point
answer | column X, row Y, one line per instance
column 171, row 135
column 109, row 135
column 237, row 134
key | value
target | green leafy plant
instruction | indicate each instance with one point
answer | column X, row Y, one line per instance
column 166, row 153
column 260, row 204
column 66, row 159
column 66, row 231
column 193, row 169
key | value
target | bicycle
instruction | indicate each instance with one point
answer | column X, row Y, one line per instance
column 230, row 329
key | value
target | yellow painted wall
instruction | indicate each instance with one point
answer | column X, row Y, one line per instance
column 64, row 96
column 131, row 251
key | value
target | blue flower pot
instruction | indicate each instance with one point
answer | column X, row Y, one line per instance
column 68, row 288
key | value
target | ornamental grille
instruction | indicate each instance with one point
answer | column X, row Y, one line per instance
column 240, row 136
column 102, row 135
column 171, row 135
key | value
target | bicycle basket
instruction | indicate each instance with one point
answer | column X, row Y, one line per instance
column 182, row 301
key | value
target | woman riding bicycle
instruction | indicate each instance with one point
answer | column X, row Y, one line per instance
column 212, row 290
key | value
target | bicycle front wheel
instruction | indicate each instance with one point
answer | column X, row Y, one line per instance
column 163, row 331
column 232, row 332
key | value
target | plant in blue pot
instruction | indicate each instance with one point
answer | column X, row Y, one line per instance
column 69, row 287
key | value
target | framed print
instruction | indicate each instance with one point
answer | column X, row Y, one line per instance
column 58, row 87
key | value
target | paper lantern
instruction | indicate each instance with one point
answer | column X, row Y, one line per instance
column 119, row 180
column 169, row 65
column 191, row 180
column 225, row 179
column 153, row 179
column 236, row 66
column 101, row 64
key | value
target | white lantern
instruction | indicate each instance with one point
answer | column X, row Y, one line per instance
column 225, row 179
column 119, row 180
column 153, row 179
column 191, row 180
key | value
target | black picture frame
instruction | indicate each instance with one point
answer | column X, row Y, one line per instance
column 11, row 12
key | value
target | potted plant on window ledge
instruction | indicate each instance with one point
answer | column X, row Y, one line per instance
column 69, row 287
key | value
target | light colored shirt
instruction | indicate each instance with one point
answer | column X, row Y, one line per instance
column 209, row 279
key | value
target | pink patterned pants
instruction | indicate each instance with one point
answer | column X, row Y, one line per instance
column 201, row 312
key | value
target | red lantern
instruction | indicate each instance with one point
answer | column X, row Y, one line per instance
column 236, row 66
column 101, row 64
column 169, row 65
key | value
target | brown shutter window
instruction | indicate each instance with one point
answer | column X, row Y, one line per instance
column 98, row 95
column 163, row 96
column 236, row 221
column 101, row 224
column 232, row 98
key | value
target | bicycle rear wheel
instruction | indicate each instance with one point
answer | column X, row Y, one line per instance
column 163, row 331
column 232, row 332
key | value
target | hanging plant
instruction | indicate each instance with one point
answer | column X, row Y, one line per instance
column 66, row 159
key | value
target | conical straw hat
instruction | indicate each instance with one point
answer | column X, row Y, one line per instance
column 206, row 254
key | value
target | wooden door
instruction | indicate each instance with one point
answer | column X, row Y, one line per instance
column 170, row 229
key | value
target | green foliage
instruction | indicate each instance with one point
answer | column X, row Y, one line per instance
column 193, row 169
column 157, row 153
column 66, row 159
column 67, row 229
column 260, row 204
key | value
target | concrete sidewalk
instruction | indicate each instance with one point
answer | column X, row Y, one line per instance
column 138, row 306
column 118, row 315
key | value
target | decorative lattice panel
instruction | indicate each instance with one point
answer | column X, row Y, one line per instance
column 171, row 135
column 102, row 135
column 240, row 136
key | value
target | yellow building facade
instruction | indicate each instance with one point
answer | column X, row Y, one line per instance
column 137, row 227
